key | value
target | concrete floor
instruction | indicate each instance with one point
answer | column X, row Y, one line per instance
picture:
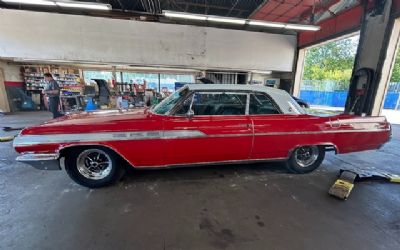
column 223, row 207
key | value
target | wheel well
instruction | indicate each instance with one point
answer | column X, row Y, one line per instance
column 325, row 146
column 64, row 151
column 330, row 147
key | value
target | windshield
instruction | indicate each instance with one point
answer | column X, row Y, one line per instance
column 166, row 105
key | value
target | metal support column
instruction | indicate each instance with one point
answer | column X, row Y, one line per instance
column 365, row 88
column 299, row 72
column 114, row 76
column 159, row 83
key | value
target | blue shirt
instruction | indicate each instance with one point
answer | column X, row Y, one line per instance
column 52, row 85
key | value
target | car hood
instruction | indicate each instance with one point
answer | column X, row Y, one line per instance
column 86, row 122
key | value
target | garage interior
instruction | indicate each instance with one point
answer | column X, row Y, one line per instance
column 142, row 51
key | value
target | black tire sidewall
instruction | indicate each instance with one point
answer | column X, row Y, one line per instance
column 73, row 172
column 292, row 165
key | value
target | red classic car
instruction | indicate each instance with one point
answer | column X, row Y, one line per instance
column 199, row 124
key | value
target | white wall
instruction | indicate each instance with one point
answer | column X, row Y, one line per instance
column 12, row 72
column 43, row 36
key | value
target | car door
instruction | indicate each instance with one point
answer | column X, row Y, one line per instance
column 268, row 124
column 219, row 129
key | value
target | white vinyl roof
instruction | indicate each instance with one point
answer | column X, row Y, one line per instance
column 232, row 87
column 286, row 103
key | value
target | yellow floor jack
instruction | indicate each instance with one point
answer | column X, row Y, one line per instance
column 8, row 138
column 344, row 185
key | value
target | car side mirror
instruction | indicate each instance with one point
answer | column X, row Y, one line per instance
column 190, row 114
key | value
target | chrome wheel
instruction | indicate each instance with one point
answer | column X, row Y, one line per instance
column 94, row 164
column 306, row 156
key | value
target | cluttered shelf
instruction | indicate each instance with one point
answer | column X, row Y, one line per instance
column 34, row 76
column 68, row 79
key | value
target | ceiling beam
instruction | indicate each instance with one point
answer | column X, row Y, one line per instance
column 258, row 8
column 318, row 8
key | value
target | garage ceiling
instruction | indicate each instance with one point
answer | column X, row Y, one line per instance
column 232, row 8
column 295, row 11
column 301, row 11
column 287, row 11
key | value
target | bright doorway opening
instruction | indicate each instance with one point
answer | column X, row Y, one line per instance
column 327, row 72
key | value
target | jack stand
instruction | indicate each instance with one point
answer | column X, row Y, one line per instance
column 344, row 185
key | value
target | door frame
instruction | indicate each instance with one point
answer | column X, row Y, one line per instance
column 4, row 102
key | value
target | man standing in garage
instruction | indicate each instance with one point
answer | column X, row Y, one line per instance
column 52, row 91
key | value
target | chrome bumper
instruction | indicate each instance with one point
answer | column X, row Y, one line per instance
column 41, row 161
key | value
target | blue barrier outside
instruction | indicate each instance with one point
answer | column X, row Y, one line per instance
column 328, row 98
column 391, row 100
column 338, row 98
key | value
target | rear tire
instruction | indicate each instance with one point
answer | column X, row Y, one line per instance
column 93, row 167
column 305, row 159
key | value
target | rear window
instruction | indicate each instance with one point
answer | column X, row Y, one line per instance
column 261, row 104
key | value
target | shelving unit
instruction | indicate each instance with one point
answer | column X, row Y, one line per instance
column 67, row 78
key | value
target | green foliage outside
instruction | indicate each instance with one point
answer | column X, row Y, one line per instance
column 332, row 61
column 396, row 69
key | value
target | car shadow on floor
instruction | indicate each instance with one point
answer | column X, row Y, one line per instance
column 204, row 172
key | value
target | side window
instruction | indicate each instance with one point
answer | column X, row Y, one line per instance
column 219, row 104
column 184, row 107
column 260, row 104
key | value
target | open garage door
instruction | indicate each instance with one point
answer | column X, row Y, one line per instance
column 327, row 71
column 391, row 103
column 392, row 98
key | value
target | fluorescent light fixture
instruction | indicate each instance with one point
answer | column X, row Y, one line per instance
column 41, row 60
column 302, row 27
column 66, row 4
column 226, row 20
column 32, row 2
column 262, row 72
column 267, row 24
column 285, row 25
column 190, row 16
column 84, row 5
column 184, row 15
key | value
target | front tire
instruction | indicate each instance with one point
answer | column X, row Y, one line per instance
column 93, row 167
column 305, row 159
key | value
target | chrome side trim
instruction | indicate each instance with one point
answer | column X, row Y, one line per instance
column 323, row 132
column 300, row 133
column 37, row 157
column 41, row 161
column 182, row 134
column 28, row 140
